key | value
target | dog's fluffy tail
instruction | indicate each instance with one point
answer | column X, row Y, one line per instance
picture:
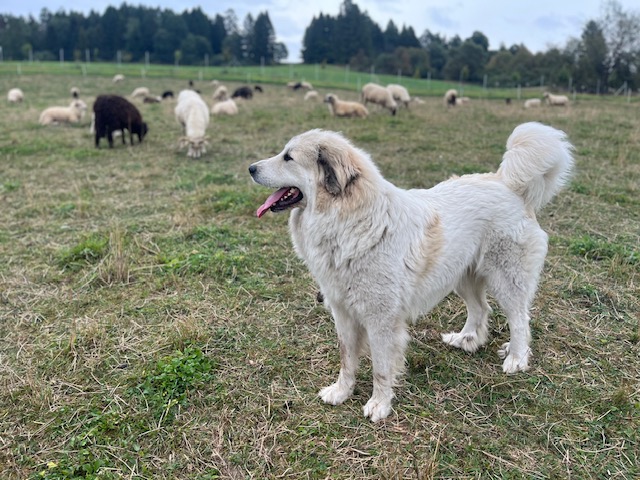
column 537, row 164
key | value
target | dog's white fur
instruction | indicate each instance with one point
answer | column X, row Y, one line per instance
column 382, row 255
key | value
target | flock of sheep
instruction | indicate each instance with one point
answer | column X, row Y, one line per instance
column 114, row 114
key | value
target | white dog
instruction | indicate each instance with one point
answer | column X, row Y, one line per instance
column 382, row 255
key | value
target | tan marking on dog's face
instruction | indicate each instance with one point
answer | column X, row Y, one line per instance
column 431, row 246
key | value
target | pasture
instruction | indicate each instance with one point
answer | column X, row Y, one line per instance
column 151, row 327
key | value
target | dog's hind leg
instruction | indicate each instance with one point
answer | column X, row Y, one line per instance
column 475, row 332
column 387, row 344
column 352, row 341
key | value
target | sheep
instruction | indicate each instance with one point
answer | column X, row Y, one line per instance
column 462, row 100
column 300, row 85
column 193, row 114
column 556, row 100
column 258, row 88
column 532, row 103
column 374, row 93
column 341, row 108
column 311, row 95
column 226, row 107
column 243, row 92
column 450, row 97
column 71, row 114
column 167, row 94
column 15, row 95
column 113, row 113
column 152, row 99
column 221, row 93
column 75, row 92
column 140, row 92
column 400, row 94
column 118, row 78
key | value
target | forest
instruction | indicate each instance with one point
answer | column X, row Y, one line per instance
column 606, row 57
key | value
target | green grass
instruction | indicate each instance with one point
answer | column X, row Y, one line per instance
column 152, row 327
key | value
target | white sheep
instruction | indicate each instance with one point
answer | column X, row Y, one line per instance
column 556, row 100
column 118, row 78
column 226, row 107
column 400, row 94
column 140, row 92
column 193, row 114
column 311, row 95
column 342, row 108
column 15, row 95
column 75, row 92
column 221, row 93
column 374, row 93
column 450, row 97
column 532, row 103
column 71, row 114
column 462, row 100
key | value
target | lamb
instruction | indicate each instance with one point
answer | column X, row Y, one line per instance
column 226, row 107
column 556, row 100
column 140, row 92
column 450, row 97
column 221, row 93
column 400, row 94
column 532, row 103
column 374, row 93
column 71, row 114
column 118, row 78
column 341, row 108
column 243, row 92
column 15, row 95
column 311, row 95
column 75, row 92
column 113, row 113
column 193, row 114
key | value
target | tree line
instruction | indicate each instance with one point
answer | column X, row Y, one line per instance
column 605, row 58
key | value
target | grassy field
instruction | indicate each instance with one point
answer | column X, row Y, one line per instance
column 151, row 327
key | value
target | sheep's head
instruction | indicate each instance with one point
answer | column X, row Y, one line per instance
column 197, row 146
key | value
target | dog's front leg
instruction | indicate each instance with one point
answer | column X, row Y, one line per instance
column 350, row 337
column 387, row 346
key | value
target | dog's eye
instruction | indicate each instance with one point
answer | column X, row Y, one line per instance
column 287, row 157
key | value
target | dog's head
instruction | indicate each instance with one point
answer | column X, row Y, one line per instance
column 315, row 168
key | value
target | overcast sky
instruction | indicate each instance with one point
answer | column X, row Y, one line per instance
column 537, row 24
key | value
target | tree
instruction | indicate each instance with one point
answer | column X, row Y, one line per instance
column 592, row 72
column 621, row 31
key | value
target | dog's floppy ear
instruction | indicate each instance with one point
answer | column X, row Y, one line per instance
column 337, row 169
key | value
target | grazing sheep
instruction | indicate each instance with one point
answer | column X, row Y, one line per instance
column 243, row 92
column 113, row 113
column 341, row 108
column 118, row 78
column 215, row 82
column 167, row 94
column 221, row 93
column 71, row 114
column 374, row 93
column 258, row 88
column 75, row 92
column 450, row 97
column 556, row 100
column 400, row 94
column 300, row 85
column 462, row 100
column 141, row 92
column 152, row 99
column 15, row 95
column 311, row 95
column 193, row 114
column 532, row 103
column 226, row 107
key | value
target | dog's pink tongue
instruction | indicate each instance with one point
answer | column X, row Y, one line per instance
column 273, row 198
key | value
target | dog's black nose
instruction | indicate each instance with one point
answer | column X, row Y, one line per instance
column 252, row 169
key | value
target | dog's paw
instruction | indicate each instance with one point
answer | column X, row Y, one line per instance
column 513, row 364
column 334, row 394
column 469, row 342
column 377, row 409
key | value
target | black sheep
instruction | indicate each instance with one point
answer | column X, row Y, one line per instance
column 244, row 92
column 113, row 112
column 167, row 94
